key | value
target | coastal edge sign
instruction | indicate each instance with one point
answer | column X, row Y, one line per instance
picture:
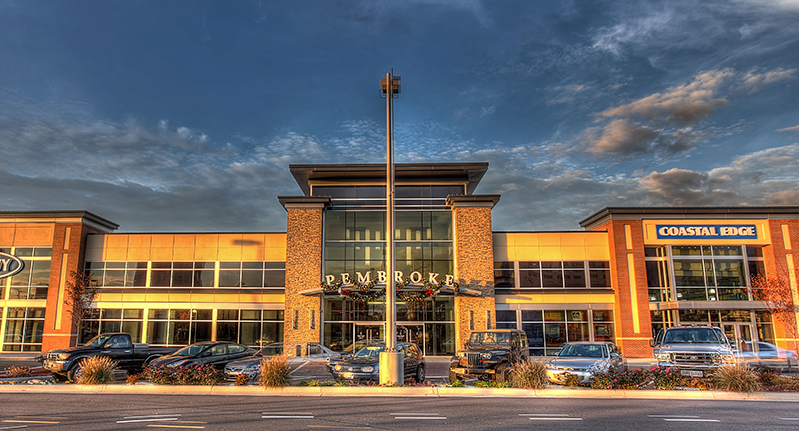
column 9, row 265
column 714, row 231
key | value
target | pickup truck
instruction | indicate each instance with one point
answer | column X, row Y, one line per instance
column 695, row 351
column 132, row 357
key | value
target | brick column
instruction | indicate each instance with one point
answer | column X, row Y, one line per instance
column 474, row 263
column 628, row 272
column 302, row 321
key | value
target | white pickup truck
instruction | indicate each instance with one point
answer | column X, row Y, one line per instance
column 694, row 350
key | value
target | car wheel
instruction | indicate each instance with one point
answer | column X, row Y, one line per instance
column 502, row 374
column 74, row 373
column 453, row 377
column 419, row 377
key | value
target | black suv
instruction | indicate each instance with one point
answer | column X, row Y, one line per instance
column 490, row 355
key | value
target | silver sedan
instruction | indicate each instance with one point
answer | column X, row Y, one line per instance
column 584, row 360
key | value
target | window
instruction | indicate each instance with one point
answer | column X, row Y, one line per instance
column 250, row 327
column 178, row 327
column 704, row 273
column 24, row 328
column 252, row 274
column 547, row 329
column 34, row 279
column 553, row 274
column 117, row 274
column 97, row 321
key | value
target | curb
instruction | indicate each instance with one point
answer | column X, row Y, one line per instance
column 332, row 391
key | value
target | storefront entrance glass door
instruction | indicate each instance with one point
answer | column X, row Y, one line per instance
column 368, row 334
column 411, row 334
column 738, row 333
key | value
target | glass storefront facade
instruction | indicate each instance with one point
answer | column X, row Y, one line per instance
column 547, row 329
column 354, row 243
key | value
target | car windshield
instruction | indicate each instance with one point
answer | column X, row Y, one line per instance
column 489, row 338
column 192, row 350
column 98, row 341
column 692, row 335
column 272, row 350
column 582, row 351
column 370, row 352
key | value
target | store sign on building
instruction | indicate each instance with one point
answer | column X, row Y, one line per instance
column 9, row 265
column 715, row 231
column 415, row 277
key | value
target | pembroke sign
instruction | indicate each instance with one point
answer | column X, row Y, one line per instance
column 9, row 265
column 415, row 277
column 711, row 231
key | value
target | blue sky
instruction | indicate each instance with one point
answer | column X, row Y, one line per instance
column 184, row 115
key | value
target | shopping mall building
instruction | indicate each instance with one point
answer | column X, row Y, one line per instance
column 627, row 273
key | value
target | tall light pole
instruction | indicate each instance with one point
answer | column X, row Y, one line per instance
column 391, row 364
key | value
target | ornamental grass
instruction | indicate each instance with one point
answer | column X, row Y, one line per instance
column 530, row 374
column 98, row 370
column 736, row 378
column 15, row 371
column 275, row 372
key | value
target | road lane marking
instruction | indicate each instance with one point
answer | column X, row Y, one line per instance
column 176, row 426
column 149, row 416
column 339, row 427
column 543, row 414
column 556, row 418
column 673, row 416
column 14, row 427
column 15, row 421
column 286, row 417
column 37, row 417
column 287, row 413
column 147, row 420
column 415, row 414
column 420, row 417
column 690, row 420
column 790, row 419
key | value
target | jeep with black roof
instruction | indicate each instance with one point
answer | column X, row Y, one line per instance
column 489, row 355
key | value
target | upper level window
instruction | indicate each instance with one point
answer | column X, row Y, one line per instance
column 552, row 274
column 405, row 196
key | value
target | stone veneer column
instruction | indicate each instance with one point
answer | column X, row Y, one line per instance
column 474, row 263
column 302, row 319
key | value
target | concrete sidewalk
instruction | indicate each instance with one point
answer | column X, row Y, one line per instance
column 414, row 391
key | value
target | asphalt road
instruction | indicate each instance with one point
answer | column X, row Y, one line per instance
column 170, row 412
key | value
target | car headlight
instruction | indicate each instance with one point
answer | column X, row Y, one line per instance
column 728, row 358
column 250, row 368
column 461, row 354
column 662, row 356
column 485, row 355
column 550, row 366
column 63, row 355
column 599, row 367
column 338, row 367
column 368, row 369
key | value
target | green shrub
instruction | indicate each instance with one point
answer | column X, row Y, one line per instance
column 15, row 371
column 572, row 381
column 457, row 384
column 736, row 378
column 194, row 375
column 98, row 370
column 242, row 380
column 133, row 379
column 275, row 372
column 490, row 384
column 630, row 379
column 529, row 374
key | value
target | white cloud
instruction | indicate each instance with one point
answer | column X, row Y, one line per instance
column 789, row 129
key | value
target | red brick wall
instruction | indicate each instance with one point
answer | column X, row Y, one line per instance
column 776, row 264
column 633, row 344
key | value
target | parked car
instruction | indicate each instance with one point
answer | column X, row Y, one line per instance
column 765, row 354
column 489, row 355
column 694, row 350
column 250, row 365
column 132, row 357
column 213, row 353
column 585, row 359
column 364, row 365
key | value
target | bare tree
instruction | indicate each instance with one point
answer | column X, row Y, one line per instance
column 80, row 292
column 776, row 293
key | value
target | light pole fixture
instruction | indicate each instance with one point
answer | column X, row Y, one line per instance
column 391, row 364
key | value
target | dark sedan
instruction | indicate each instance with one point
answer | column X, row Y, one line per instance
column 365, row 364
column 213, row 353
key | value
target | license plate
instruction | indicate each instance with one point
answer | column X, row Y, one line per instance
column 691, row 373
column 346, row 375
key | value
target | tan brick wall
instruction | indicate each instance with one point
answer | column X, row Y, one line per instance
column 303, row 271
column 474, row 267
